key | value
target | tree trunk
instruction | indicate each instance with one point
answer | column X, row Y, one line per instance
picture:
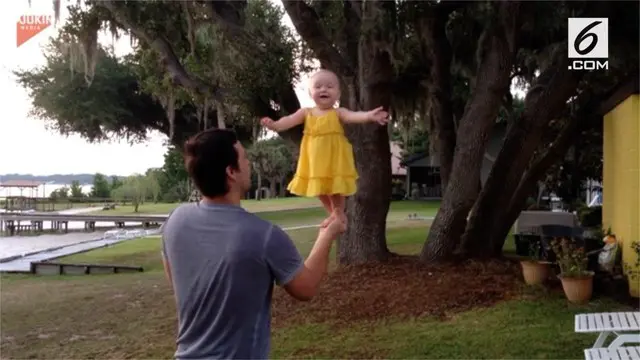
column 541, row 188
column 498, row 43
column 438, row 51
column 365, row 238
column 544, row 101
column 220, row 115
column 498, row 236
column 259, row 191
column 272, row 187
column 484, row 249
column 282, row 192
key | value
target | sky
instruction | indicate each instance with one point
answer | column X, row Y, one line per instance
column 44, row 152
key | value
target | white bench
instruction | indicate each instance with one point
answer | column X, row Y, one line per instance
column 607, row 323
column 619, row 353
column 625, row 325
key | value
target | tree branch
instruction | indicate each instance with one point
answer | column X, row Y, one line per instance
column 353, row 18
column 438, row 53
column 162, row 46
column 588, row 104
column 289, row 102
column 229, row 15
column 356, row 7
column 530, row 178
column 444, row 8
column 307, row 23
column 558, row 147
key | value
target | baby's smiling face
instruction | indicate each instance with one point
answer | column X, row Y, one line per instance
column 325, row 89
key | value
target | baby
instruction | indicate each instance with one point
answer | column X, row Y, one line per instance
column 326, row 167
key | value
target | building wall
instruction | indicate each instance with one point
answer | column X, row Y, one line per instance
column 396, row 158
column 621, row 179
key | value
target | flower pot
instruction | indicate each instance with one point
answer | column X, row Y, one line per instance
column 578, row 289
column 534, row 272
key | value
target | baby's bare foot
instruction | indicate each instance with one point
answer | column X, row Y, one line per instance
column 342, row 217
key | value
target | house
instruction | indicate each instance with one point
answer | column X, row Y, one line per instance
column 397, row 170
column 621, row 174
column 593, row 192
column 423, row 170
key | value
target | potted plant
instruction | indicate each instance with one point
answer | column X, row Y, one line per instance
column 632, row 270
column 577, row 280
column 608, row 254
column 534, row 270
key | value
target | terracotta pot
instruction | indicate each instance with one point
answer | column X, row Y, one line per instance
column 578, row 289
column 534, row 272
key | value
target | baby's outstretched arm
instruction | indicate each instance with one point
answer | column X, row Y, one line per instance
column 285, row 123
column 359, row 117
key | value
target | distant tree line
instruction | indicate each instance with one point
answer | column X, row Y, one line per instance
column 273, row 164
column 167, row 184
column 272, row 159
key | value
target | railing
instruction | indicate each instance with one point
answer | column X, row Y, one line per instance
column 82, row 217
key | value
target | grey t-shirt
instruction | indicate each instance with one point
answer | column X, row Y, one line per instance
column 224, row 261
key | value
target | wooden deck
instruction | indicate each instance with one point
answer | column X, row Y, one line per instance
column 34, row 222
column 82, row 217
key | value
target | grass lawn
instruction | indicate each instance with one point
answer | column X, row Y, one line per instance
column 537, row 327
column 133, row 315
column 403, row 238
column 428, row 208
column 251, row 205
column 398, row 210
column 67, row 206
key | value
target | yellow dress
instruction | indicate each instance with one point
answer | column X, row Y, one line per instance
column 325, row 164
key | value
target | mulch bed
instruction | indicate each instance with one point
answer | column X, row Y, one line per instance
column 401, row 288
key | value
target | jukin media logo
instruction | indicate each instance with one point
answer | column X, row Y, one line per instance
column 29, row 26
column 588, row 43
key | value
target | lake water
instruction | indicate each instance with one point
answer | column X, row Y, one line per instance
column 20, row 245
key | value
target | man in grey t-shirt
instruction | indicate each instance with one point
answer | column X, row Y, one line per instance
column 222, row 261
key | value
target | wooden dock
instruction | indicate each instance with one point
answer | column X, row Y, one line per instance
column 15, row 223
column 55, row 268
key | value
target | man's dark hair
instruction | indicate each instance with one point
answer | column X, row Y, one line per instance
column 207, row 156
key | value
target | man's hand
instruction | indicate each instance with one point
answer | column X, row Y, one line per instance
column 334, row 228
column 378, row 115
column 268, row 123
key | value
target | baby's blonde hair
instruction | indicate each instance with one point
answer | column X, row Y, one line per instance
column 324, row 71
